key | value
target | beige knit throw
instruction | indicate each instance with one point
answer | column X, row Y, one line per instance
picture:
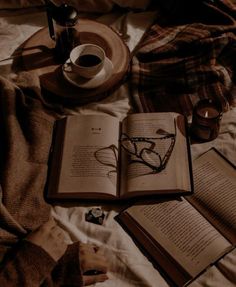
column 25, row 137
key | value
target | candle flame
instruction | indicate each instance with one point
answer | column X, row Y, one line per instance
column 206, row 114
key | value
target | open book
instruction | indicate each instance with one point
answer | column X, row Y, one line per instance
column 184, row 236
column 97, row 157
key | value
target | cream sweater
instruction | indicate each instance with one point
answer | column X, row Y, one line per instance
column 26, row 125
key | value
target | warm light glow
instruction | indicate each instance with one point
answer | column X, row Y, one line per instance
column 206, row 114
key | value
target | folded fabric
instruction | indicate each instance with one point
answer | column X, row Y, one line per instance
column 176, row 65
column 25, row 131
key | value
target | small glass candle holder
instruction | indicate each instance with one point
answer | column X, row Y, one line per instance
column 206, row 119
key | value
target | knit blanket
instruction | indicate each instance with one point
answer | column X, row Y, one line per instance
column 25, row 139
column 187, row 58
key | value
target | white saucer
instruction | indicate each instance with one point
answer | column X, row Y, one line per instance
column 94, row 82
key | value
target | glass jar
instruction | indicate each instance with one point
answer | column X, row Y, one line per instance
column 62, row 21
column 206, row 119
column 66, row 35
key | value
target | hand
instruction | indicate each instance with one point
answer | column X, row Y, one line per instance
column 93, row 264
column 51, row 238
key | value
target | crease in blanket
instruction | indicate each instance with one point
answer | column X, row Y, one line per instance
column 26, row 126
column 176, row 65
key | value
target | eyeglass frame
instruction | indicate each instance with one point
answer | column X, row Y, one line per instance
column 163, row 161
column 114, row 149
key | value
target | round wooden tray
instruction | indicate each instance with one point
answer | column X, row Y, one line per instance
column 37, row 55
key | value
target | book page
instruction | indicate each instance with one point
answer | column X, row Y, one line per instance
column 154, row 153
column 186, row 235
column 215, row 192
column 90, row 155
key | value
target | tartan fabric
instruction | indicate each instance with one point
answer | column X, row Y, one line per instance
column 176, row 65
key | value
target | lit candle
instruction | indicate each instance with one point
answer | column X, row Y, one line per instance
column 208, row 112
column 206, row 120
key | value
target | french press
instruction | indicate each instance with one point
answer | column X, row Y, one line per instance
column 61, row 24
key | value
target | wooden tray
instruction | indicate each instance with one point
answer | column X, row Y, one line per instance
column 37, row 55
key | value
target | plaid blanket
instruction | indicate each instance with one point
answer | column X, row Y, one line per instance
column 177, row 64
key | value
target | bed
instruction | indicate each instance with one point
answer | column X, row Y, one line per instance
column 128, row 266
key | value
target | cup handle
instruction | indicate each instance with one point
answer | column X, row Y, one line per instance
column 66, row 67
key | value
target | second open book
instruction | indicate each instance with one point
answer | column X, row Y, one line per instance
column 184, row 236
column 98, row 157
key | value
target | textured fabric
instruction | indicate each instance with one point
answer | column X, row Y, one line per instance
column 67, row 272
column 25, row 133
column 27, row 266
column 176, row 65
column 26, row 127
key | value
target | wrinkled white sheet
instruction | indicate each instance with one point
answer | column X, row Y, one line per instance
column 128, row 266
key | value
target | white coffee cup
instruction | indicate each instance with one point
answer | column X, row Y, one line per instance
column 87, row 60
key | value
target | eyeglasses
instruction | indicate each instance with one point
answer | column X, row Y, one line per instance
column 144, row 150
column 108, row 156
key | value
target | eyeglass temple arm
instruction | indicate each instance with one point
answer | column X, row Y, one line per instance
column 170, row 149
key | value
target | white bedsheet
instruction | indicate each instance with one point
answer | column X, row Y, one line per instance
column 128, row 266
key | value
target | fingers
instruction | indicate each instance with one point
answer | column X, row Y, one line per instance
column 88, row 280
column 93, row 262
column 86, row 248
column 92, row 258
column 96, row 262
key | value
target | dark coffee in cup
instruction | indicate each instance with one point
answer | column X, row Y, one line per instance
column 88, row 60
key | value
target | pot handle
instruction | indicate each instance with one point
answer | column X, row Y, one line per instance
column 49, row 18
